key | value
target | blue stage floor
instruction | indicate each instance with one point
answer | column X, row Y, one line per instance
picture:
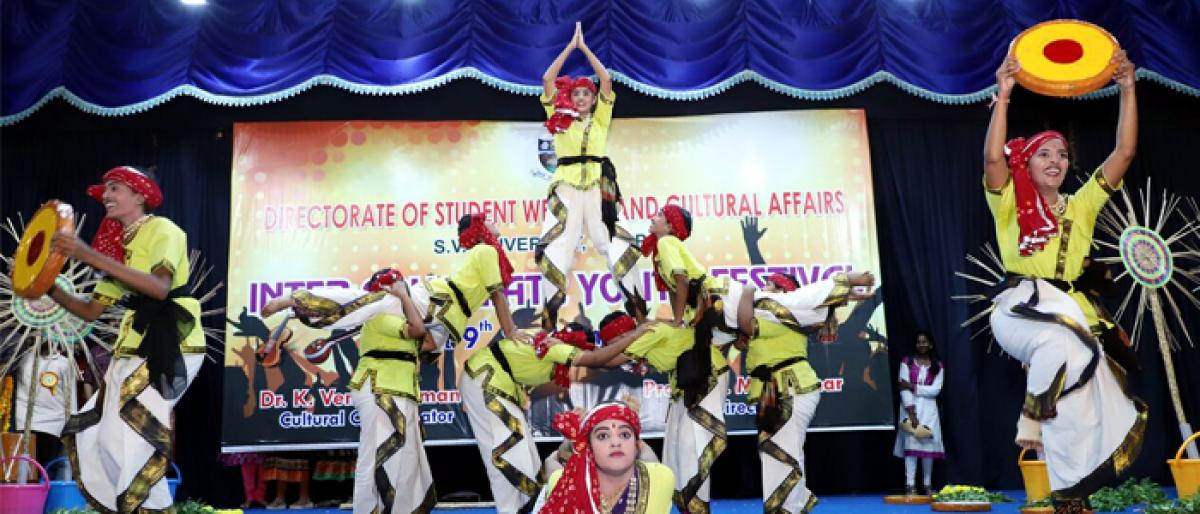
column 856, row 504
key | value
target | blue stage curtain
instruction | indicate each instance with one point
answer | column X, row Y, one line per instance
column 927, row 169
column 117, row 57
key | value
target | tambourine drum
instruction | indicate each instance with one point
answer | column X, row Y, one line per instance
column 1064, row 57
column 35, row 264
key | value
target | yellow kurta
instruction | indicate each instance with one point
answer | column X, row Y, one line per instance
column 776, row 343
column 662, row 345
column 388, row 376
column 158, row 243
column 1097, row 429
column 528, row 370
column 477, row 278
column 673, row 258
column 1062, row 257
column 656, row 485
column 584, row 137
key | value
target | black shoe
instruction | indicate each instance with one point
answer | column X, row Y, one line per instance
column 635, row 305
column 910, row 490
column 550, row 316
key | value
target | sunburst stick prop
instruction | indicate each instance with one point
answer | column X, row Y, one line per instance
column 1150, row 262
column 201, row 270
column 988, row 272
column 42, row 318
column 39, row 325
column 1151, row 258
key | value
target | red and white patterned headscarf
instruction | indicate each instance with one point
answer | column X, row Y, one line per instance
column 1034, row 217
column 108, row 240
column 576, row 338
column 676, row 219
column 564, row 108
column 616, row 327
column 578, row 489
column 783, row 282
column 477, row 232
column 382, row 279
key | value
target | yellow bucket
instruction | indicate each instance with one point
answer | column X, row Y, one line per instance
column 1037, row 479
column 1185, row 471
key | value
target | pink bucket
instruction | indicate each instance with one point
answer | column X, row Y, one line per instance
column 24, row 498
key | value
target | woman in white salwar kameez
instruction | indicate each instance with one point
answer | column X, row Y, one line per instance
column 919, row 432
column 1076, row 407
column 119, row 442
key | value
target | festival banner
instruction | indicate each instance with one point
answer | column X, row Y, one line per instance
column 325, row 204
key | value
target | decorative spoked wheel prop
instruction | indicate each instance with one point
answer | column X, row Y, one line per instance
column 32, row 324
column 1151, row 241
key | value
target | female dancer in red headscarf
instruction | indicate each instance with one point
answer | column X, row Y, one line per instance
column 494, row 395
column 603, row 474
column 583, row 194
column 1076, row 407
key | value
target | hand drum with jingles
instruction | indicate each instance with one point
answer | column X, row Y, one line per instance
column 35, row 263
column 1064, row 57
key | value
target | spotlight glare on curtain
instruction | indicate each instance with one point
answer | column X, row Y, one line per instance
column 194, row 2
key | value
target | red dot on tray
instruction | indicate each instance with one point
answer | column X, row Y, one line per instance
column 1063, row 51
